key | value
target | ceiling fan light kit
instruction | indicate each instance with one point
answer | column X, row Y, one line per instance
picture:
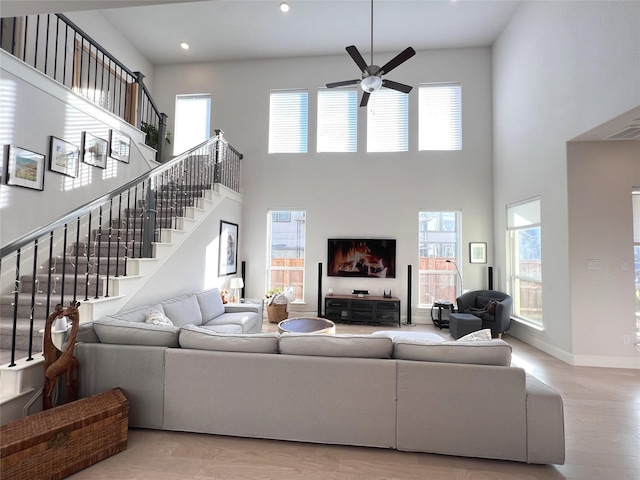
column 371, row 83
column 372, row 74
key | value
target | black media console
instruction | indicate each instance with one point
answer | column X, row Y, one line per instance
column 362, row 309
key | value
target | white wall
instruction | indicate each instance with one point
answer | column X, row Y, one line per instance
column 603, row 301
column 33, row 108
column 559, row 69
column 375, row 195
column 194, row 266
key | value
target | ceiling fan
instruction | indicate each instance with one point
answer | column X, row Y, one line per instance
column 372, row 74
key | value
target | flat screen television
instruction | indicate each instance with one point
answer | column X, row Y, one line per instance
column 361, row 257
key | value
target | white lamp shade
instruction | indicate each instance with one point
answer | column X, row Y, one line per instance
column 236, row 283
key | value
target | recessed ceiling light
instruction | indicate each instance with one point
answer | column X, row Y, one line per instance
column 184, row 45
column 284, row 7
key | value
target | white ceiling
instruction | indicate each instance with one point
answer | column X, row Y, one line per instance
column 219, row 30
column 253, row 29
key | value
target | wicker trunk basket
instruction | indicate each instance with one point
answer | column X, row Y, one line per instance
column 56, row 443
column 277, row 312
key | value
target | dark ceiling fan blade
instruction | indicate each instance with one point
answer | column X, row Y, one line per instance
column 343, row 84
column 365, row 99
column 355, row 54
column 398, row 59
column 401, row 87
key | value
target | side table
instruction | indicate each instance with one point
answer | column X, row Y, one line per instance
column 441, row 305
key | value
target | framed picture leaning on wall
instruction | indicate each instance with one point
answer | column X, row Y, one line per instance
column 228, row 258
column 25, row 168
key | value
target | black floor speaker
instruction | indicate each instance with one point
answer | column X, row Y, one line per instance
column 320, row 289
column 243, row 271
column 490, row 278
column 408, row 322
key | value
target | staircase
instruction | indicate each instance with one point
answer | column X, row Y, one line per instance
column 101, row 255
column 98, row 267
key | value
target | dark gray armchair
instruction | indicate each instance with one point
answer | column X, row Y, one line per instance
column 475, row 303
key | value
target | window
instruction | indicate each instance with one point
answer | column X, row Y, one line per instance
column 524, row 262
column 193, row 122
column 388, row 121
column 438, row 257
column 337, row 120
column 440, row 116
column 286, row 239
column 636, row 254
column 288, row 121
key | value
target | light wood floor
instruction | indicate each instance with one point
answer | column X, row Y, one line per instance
column 602, row 424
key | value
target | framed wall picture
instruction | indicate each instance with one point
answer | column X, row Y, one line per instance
column 119, row 146
column 25, row 168
column 478, row 252
column 228, row 258
column 63, row 157
column 94, row 150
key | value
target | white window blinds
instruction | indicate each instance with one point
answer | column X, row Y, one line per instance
column 288, row 121
column 388, row 121
column 337, row 120
column 440, row 116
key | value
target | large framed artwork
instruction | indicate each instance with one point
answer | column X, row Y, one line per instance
column 94, row 150
column 228, row 258
column 119, row 146
column 25, row 168
column 63, row 157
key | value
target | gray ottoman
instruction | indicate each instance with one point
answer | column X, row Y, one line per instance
column 461, row 324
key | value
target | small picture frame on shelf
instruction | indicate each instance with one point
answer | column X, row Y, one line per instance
column 477, row 252
column 63, row 157
column 119, row 146
column 25, row 168
column 94, row 150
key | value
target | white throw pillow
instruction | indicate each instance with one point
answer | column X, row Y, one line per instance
column 479, row 336
column 156, row 317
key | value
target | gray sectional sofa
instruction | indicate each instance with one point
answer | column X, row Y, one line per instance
column 450, row 398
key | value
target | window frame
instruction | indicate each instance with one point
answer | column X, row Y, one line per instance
column 528, row 216
column 275, row 218
column 177, row 129
column 450, row 277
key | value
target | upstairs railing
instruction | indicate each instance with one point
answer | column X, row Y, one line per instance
column 54, row 45
column 74, row 257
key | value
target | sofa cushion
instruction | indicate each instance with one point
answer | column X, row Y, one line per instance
column 210, row 303
column 139, row 314
column 199, row 338
column 362, row 346
column 492, row 352
column 135, row 333
column 223, row 328
column 183, row 310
